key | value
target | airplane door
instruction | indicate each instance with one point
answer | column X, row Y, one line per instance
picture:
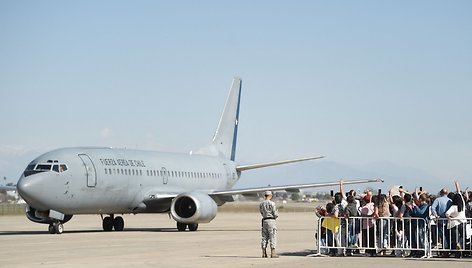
column 230, row 178
column 228, row 172
column 165, row 175
column 90, row 172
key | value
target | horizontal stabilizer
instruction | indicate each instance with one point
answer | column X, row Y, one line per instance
column 290, row 187
column 269, row 164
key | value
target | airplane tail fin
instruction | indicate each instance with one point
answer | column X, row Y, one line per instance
column 224, row 141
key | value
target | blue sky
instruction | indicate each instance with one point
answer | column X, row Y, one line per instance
column 362, row 82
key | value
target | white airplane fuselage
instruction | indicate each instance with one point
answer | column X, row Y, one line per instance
column 115, row 181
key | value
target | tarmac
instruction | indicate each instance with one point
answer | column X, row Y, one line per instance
column 232, row 239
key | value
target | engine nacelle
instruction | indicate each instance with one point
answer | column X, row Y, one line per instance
column 193, row 207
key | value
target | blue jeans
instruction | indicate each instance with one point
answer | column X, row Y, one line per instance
column 353, row 231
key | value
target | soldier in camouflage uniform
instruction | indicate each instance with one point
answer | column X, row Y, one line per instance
column 269, row 230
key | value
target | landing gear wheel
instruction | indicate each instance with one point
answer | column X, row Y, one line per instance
column 58, row 228
column 51, row 229
column 118, row 224
column 193, row 227
column 181, row 226
column 107, row 224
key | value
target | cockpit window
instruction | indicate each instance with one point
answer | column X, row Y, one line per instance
column 34, row 168
column 43, row 167
column 30, row 167
column 62, row 168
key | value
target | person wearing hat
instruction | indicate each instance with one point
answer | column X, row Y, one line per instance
column 269, row 214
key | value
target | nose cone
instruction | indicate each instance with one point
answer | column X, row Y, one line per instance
column 23, row 187
column 31, row 190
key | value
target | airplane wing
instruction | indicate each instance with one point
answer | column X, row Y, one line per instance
column 158, row 201
column 288, row 187
column 8, row 188
column 154, row 201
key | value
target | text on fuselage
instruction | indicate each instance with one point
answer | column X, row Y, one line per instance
column 122, row 162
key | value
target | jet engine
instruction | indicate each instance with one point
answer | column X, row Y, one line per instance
column 193, row 207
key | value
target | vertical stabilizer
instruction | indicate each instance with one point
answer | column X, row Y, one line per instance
column 224, row 141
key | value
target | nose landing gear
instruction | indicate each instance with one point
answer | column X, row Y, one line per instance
column 56, row 228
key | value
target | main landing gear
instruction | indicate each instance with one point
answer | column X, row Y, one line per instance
column 183, row 226
column 110, row 222
column 56, row 228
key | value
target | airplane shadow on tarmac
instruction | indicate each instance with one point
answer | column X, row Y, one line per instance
column 164, row 230
column 303, row 253
column 158, row 230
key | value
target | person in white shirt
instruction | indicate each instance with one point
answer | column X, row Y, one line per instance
column 456, row 216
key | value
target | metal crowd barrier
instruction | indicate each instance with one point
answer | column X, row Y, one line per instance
column 407, row 236
column 447, row 239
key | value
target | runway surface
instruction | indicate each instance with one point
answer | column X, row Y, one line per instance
column 232, row 239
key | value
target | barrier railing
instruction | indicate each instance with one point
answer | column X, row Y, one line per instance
column 414, row 236
column 450, row 236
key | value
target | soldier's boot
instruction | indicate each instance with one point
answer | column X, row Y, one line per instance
column 273, row 254
column 264, row 253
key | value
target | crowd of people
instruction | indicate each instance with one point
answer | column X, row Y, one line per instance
column 404, row 223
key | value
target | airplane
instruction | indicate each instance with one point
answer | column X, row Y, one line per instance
column 109, row 181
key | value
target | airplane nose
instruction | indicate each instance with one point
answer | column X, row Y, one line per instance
column 30, row 189
column 23, row 186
